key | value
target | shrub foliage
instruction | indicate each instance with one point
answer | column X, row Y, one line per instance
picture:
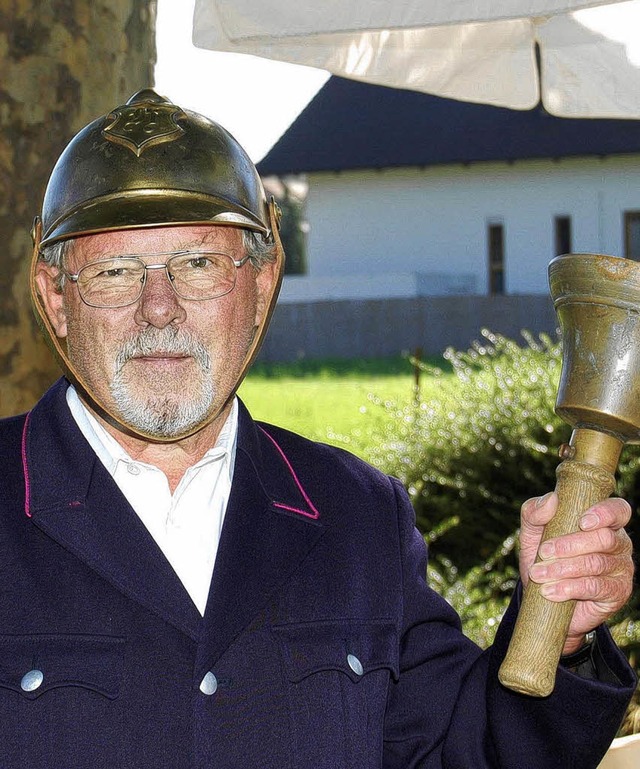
column 484, row 442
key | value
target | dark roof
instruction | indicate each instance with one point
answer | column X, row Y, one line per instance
column 350, row 125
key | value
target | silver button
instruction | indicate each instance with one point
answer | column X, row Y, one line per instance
column 209, row 684
column 31, row 680
column 355, row 664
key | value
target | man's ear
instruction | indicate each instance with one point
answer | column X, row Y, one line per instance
column 50, row 294
column 265, row 280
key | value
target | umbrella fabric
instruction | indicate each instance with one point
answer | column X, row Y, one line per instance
column 468, row 49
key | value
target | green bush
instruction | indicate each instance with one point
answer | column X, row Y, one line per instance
column 483, row 442
column 481, row 595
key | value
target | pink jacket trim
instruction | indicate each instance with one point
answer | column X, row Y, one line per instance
column 25, row 468
column 313, row 511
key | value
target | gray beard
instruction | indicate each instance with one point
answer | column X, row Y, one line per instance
column 161, row 416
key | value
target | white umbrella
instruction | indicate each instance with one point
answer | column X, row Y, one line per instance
column 472, row 50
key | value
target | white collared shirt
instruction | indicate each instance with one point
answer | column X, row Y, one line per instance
column 186, row 525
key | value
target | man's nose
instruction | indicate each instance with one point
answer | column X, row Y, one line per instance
column 159, row 304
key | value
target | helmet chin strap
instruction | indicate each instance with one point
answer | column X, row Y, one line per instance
column 111, row 416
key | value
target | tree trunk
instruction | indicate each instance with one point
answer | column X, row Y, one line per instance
column 63, row 63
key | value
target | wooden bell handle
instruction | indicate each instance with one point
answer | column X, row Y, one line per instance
column 584, row 478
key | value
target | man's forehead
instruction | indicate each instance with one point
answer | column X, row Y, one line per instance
column 158, row 240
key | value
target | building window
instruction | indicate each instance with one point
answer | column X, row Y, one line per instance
column 495, row 238
column 632, row 235
column 562, row 226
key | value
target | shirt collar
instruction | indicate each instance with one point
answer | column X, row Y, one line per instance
column 110, row 452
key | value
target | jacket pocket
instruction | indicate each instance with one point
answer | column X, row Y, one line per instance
column 58, row 700
column 338, row 675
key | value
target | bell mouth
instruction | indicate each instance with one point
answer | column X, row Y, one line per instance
column 137, row 209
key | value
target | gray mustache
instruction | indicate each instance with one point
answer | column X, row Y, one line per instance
column 170, row 340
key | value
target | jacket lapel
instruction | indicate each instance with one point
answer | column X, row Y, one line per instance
column 74, row 500
column 267, row 533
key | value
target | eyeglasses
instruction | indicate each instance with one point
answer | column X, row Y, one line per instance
column 120, row 280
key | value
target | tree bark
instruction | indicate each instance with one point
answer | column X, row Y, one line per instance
column 63, row 63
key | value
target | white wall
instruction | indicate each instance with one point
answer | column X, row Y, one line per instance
column 398, row 230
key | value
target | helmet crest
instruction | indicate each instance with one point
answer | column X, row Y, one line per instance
column 144, row 121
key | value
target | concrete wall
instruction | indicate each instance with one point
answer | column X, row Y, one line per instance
column 424, row 231
column 384, row 328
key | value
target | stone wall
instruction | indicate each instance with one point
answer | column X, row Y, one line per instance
column 63, row 63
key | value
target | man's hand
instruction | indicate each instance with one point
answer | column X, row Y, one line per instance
column 592, row 566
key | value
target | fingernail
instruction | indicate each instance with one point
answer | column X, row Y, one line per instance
column 547, row 550
column 548, row 590
column 589, row 521
column 541, row 500
column 538, row 571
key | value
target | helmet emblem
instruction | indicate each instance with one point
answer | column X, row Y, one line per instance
column 143, row 125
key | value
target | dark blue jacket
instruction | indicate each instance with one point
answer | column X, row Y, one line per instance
column 327, row 649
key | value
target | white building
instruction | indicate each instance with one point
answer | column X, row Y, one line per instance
column 415, row 196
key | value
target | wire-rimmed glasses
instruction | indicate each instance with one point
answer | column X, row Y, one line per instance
column 119, row 280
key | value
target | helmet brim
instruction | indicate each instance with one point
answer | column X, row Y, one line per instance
column 150, row 208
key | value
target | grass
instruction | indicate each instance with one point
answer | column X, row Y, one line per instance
column 333, row 401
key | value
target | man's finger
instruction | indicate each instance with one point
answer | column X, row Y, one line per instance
column 610, row 591
column 614, row 513
column 538, row 511
column 590, row 565
column 583, row 542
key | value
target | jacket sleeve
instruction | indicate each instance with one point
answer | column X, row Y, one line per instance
column 447, row 709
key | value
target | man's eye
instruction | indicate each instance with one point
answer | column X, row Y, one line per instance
column 199, row 262
column 116, row 272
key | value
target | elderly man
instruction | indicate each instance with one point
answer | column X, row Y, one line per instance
column 184, row 587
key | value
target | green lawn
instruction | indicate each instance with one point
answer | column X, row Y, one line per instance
column 337, row 402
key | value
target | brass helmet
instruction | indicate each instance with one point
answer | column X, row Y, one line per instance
column 150, row 163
